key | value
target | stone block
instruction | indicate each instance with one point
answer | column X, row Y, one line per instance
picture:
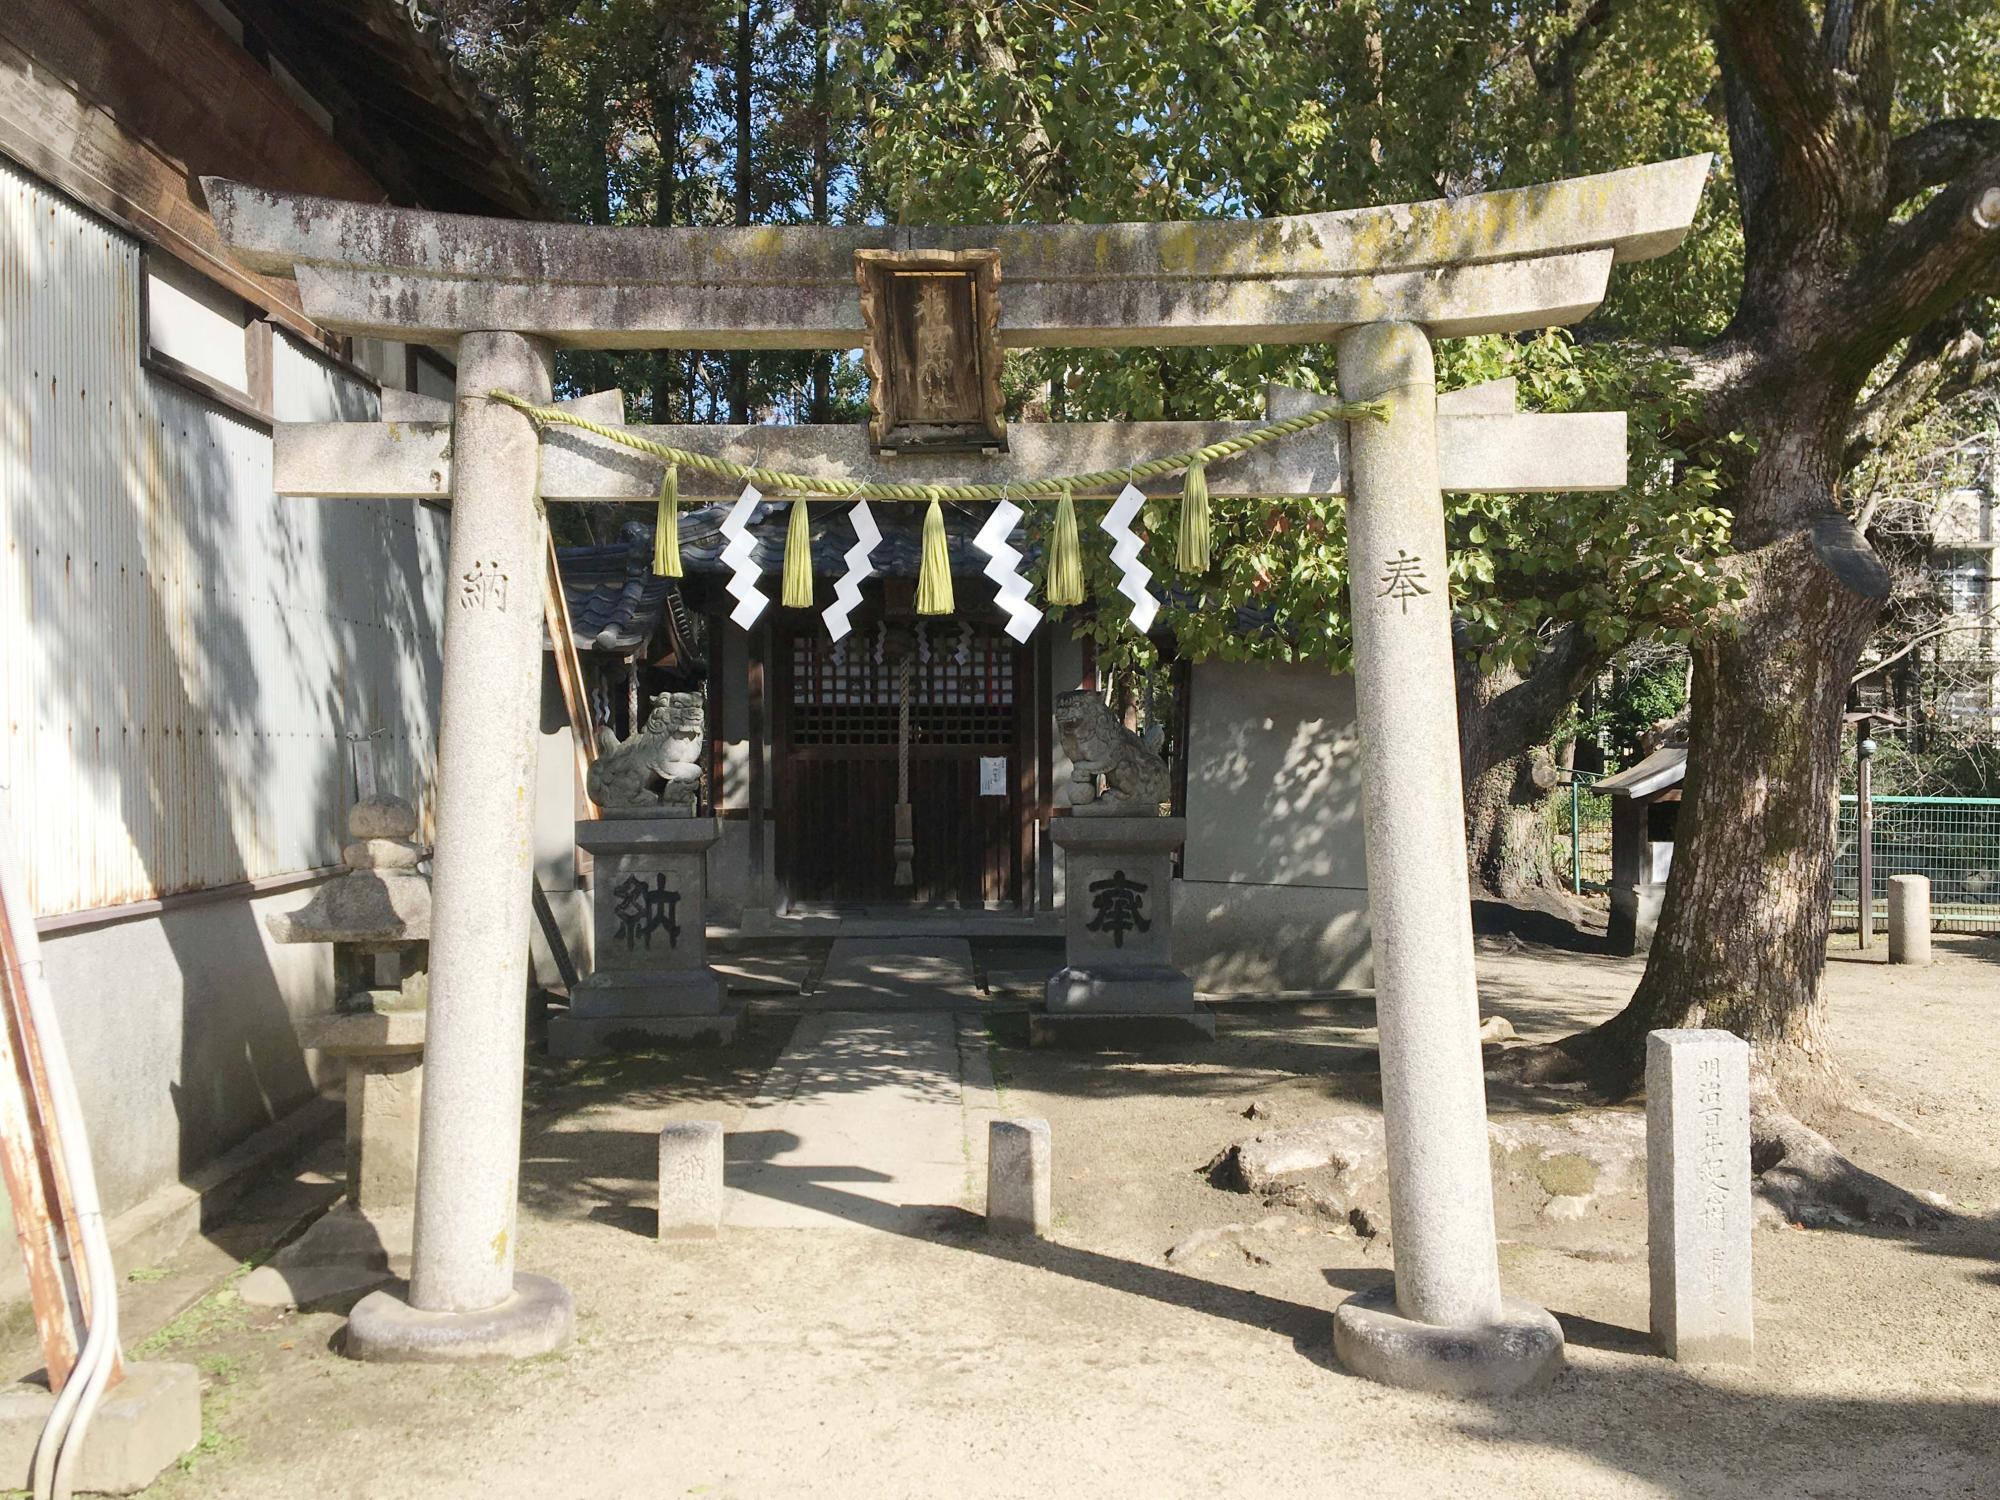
column 1019, row 1168
column 384, row 1099
column 145, row 1422
column 537, row 1317
column 691, row 1180
column 1698, row 1194
column 1119, row 921
column 1909, row 919
column 573, row 1037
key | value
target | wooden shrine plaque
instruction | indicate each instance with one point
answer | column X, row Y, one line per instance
column 933, row 349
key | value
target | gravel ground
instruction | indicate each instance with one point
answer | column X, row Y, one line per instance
column 933, row 1362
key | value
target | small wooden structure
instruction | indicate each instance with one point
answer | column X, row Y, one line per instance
column 932, row 348
column 1646, row 802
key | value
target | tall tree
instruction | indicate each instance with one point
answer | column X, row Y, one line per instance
column 1863, row 244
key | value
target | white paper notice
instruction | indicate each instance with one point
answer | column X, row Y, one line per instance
column 992, row 775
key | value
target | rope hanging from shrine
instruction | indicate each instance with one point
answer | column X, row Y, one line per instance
column 1063, row 584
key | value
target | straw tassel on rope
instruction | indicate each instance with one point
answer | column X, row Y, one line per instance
column 1191, row 554
column 1064, row 584
column 798, row 592
column 934, row 577
column 667, row 526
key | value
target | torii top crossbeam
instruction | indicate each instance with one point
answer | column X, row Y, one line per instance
column 1493, row 262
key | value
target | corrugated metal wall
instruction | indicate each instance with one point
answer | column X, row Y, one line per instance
column 183, row 656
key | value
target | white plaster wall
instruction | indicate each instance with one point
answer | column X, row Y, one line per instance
column 1274, row 888
column 179, row 1031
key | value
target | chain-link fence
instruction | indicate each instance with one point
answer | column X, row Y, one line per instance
column 1953, row 840
column 1580, row 832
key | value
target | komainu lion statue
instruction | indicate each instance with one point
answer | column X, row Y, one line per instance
column 657, row 772
column 1134, row 778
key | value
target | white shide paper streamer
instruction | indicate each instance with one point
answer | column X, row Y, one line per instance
column 740, row 557
column 1133, row 574
column 1003, row 567
column 847, row 592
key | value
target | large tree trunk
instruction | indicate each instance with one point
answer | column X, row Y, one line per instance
column 1742, row 938
column 1507, row 826
column 1505, row 720
column 1833, row 280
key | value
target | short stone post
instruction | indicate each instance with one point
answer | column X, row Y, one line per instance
column 1444, row 1325
column 1019, row 1165
column 465, row 1300
column 1909, row 919
column 1698, row 1194
column 691, row 1180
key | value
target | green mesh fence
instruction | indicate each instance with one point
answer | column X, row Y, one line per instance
column 1953, row 840
column 1579, row 819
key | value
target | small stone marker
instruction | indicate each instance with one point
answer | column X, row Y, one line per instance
column 1698, row 1194
column 1018, row 1169
column 691, row 1180
column 1909, row 919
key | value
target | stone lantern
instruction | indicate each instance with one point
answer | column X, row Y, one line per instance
column 377, row 917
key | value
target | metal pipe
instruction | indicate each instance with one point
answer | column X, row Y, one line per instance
column 69, row 1421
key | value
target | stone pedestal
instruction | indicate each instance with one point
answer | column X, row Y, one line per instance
column 1119, row 984
column 649, row 879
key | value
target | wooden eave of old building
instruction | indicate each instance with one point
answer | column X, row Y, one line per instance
column 124, row 104
column 403, row 104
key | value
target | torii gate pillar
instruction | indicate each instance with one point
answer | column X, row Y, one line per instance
column 465, row 1300
column 1444, row 1326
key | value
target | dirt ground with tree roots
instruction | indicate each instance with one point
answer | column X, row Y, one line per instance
column 878, row 1364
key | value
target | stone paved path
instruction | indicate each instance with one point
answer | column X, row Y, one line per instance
column 869, row 1120
column 930, row 973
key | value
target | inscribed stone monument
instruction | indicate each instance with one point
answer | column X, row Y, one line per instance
column 1119, row 981
column 649, row 881
column 1698, row 1194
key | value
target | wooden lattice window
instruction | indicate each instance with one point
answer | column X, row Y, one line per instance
column 961, row 689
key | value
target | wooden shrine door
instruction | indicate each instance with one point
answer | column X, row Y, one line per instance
column 834, row 738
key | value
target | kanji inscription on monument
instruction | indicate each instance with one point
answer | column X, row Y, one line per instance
column 1118, row 906
column 483, row 586
column 1403, row 578
column 643, row 911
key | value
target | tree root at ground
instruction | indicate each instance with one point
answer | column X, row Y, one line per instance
column 1795, row 1169
column 1810, row 1181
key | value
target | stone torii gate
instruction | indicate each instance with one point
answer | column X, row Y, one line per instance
column 1379, row 283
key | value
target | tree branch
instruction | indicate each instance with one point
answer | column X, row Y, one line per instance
column 1946, row 358
column 1949, row 627
column 1557, row 69
column 1524, row 711
column 1777, row 64
column 1915, row 272
column 1939, row 152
